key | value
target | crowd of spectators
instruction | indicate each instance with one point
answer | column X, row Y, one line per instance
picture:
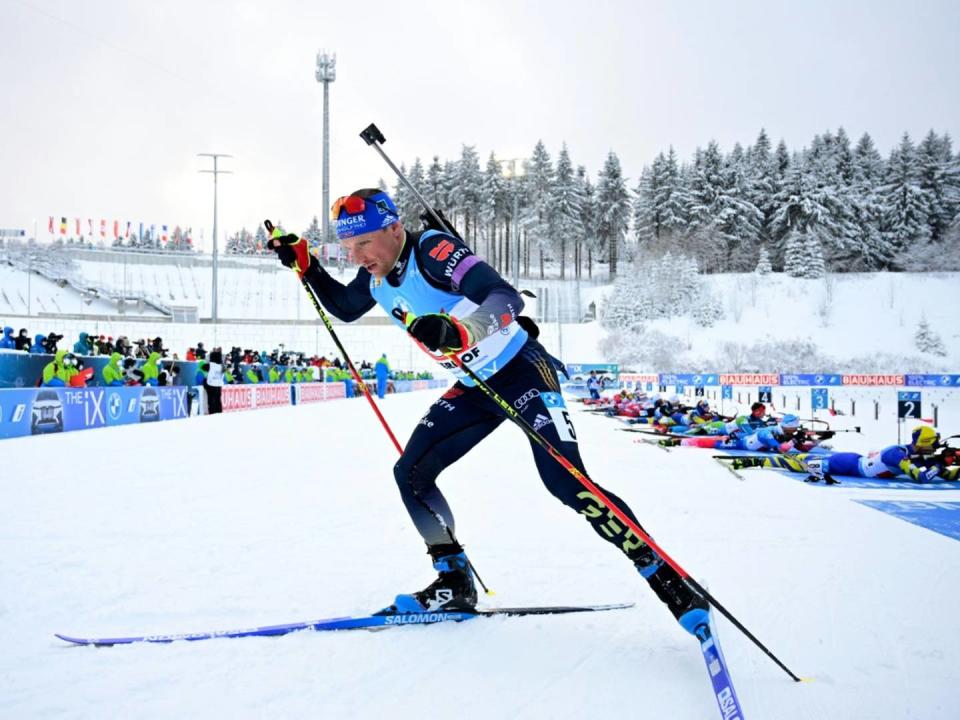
column 147, row 362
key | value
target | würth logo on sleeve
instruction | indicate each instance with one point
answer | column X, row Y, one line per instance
column 442, row 251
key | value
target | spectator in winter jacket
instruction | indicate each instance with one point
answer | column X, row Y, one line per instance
column 213, row 383
column 23, row 340
column 58, row 371
column 82, row 346
column 200, row 351
column 273, row 374
column 151, row 369
column 383, row 374
column 112, row 373
column 38, row 345
column 7, row 342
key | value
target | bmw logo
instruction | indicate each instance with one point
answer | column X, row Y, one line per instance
column 114, row 405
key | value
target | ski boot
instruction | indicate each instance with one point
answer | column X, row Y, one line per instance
column 746, row 462
column 669, row 442
column 452, row 591
column 684, row 603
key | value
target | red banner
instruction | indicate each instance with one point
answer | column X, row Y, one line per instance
column 638, row 378
column 750, row 379
column 237, row 397
column 271, row 395
column 319, row 392
column 873, row 379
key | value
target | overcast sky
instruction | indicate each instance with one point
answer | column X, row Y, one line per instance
column 105, row 104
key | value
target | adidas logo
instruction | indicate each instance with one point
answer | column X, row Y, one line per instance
column 541, row 421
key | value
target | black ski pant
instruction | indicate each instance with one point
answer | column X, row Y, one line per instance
column 214, row 403
column 464, row 416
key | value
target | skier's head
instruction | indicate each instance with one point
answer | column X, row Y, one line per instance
column 758, row 410
column 789, row 420
column 924, row 439
column 703, row 407
column 369, row 228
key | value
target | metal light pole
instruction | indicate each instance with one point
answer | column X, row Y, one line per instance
column 326, row 74
column 215, row 172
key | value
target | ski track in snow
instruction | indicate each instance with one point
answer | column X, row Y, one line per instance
column 292, row 514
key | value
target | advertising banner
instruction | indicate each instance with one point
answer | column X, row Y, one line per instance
column 38, row 411
column 749, row 379
column 944, row 381
column 318, row 392
column 811, row 379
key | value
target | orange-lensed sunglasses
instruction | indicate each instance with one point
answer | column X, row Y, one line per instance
column 353, row 204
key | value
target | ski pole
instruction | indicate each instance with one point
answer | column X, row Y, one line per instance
column 515, row 416
column 343, row 353
column 366, row 391
column 372, row 136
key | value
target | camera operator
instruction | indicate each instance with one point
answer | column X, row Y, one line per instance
column 23, row 340
column 50, row 343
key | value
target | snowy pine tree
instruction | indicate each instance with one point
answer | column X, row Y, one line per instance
column 763, row 262
column 794, row 255
column 538, row 217
column 313, row 234
column 434, row 190
column 814, row 251
column 927, row 341
column 620, row 311
column 260, row 240
column 907, row 206
column 646, row 225
column 469, row 182
column 493, row 207
column 933, row 168
column 613, row 210
column 590, row 241
column 414, row 209
column 869, row 248
column 566, row 204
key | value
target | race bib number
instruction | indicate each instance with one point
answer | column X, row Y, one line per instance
column 560, row 416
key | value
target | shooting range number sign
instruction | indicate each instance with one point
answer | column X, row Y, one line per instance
column 766, row 394
column 908, row 405
column 819, row 398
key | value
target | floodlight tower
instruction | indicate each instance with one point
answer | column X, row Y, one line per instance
column 326, row 74
column 215, row 172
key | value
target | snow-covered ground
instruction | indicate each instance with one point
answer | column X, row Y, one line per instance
column 288, row 514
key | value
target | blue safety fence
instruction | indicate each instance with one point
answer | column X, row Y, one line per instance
column 39, row 411
column 20, row 370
